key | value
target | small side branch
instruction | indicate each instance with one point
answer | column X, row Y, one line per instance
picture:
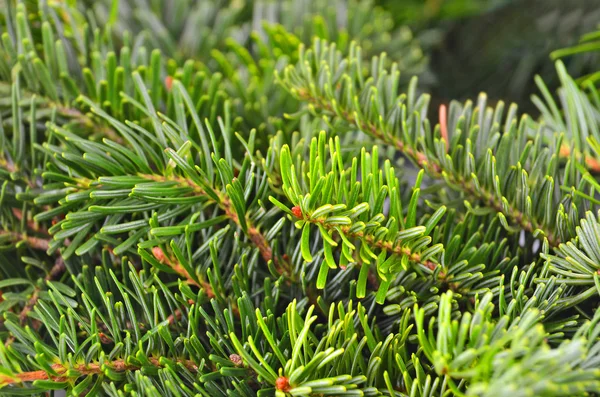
column 71, row 373
column 160, row 255
column 57, row 270
column 254, row 234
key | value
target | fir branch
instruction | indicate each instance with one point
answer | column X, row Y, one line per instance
column 87, row 121
column 430, row 291
column 577, row 117
column 334, row 86
column 577, row 262
column 324, row 196
column 434, row 168
column 515, row 365
column 69, row 111
column 489, row 199
column 66, row 372
column 322, row 103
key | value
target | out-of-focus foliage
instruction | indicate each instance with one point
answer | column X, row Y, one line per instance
column 415, row 12
column 498, row 46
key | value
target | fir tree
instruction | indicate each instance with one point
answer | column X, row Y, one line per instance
column 231, row 198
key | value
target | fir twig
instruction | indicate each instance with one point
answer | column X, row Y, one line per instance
column 389, row 246
column 163, row 258
column 67, row 372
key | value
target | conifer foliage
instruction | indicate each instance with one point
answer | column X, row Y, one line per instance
column 239, row 198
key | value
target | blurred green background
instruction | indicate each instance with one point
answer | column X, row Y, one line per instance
column 497, row 46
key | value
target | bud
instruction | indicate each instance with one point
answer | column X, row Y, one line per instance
column 297, row 212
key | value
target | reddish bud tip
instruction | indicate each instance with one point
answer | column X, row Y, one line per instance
column 282, row 383
column 169, row 82
column 104, row 339
column 297, row 212
column 159, row 254
column 236, row 360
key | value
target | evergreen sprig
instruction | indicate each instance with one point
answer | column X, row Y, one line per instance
column 194, row 204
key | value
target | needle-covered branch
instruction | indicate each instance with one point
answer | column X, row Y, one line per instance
column 63, row 373
column 168, row 232
column 498, row 162
column 349, row 204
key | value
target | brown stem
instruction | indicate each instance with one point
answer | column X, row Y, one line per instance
column 253, row 233
column 67, row 372
column 181, row 270
column 433, row 168
column 31, row 224
column 33, row 242
column 177, row 313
